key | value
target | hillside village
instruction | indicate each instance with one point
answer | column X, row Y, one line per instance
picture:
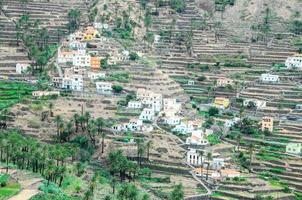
column 139, row 100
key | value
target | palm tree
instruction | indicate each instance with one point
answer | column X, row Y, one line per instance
column 209, row 157
column 87, row 117
column 91, row 131
column 113, row 184
column 76, row 121
column 99, row 122
column 251, row 151
column 69, row 130
column 239, row 137
column 58, row 120
column 201, row 153
column 50, row 106
column 82, row 122
column 148, row 145
column 138, row 146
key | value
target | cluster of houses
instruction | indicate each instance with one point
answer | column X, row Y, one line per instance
column 75, row 61
column 217, row 168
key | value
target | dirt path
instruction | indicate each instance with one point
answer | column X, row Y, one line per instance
column 29, row 184
column 29, row 188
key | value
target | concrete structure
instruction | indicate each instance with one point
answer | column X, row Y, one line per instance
column 148, row 114
column 22, row 68
column 294, row 62
column 81, row 60
column 194, row 157
column 269, row 78
column 294, row 148
column 221, row 102
column 258, row 103
column 103, row 87
column 135, row 105
column 267, row 124
column 222, row 82
column 45, row 93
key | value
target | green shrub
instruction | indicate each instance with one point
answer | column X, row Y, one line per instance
column 51, row 188
column 117, row 88
column 3, row 179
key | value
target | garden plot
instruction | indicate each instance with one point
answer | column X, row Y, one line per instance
column 13, row 92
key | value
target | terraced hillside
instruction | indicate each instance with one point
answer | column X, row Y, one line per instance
column 51, row 15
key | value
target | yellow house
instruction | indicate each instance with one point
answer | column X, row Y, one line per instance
column 221, row 102
column 90, row 33
column 88, row 37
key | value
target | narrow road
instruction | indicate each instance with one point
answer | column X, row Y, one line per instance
column 209, row 191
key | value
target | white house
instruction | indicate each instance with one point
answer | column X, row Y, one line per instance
column 150, row 99
column 194, row 157
column 81, row 60
column 269, row 78
column 135, row 105
column 148, row 114
column 74, row 82
column 217, row 163
column 183, row 128
column 67, row 56
column 191, row 82
column 22, row 67
column 100, row 25
column 258, row 103
column 103, row 87
column 197, row 138
column 231, row 122
column 96, row 75
column 77, row 45
column 45, row 93
column 135, row 125
column 294, row 148
column 156, row 39
column 171, row 105
column 294, row 62
column 171, row 119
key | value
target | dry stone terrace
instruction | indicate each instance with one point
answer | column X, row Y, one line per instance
column 10, row 53
column 51, row 14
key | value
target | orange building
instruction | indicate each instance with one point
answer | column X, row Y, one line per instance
column 95, row 63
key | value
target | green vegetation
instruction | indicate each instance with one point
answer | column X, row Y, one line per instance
column 221, row 4
column 9, row 190
column 13, row 92
column 73, row 20
column 178, row 5
column 36, row 39
column 213, row 111
column 122, row 77
column 117, row 88
column 214, row 138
